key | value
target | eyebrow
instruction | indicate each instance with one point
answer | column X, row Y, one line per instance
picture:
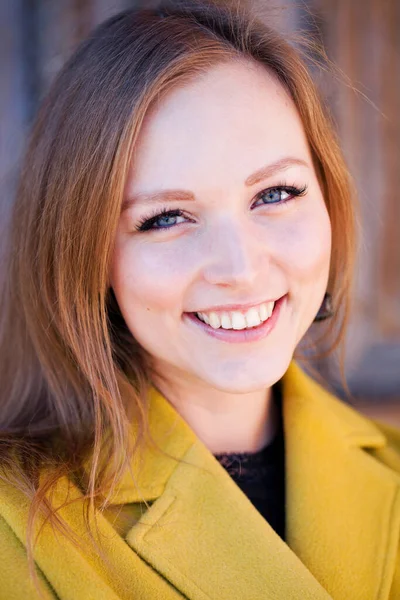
column 181, row 195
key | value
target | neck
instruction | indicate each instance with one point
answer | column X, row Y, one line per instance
column 223, row 421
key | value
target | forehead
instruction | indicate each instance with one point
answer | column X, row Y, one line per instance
column 224, row 124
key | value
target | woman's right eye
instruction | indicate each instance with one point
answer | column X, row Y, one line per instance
column 166, row 219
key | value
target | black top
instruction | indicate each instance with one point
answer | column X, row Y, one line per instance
column 261, row 475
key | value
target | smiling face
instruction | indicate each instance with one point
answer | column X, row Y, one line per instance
column 249, row 225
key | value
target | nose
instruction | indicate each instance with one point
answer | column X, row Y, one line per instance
column 233, row 256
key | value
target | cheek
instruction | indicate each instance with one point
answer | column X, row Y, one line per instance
column 307, row 266
column 148, row 276
column 307, row 246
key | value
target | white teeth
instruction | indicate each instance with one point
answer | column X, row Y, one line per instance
column 252, row 318
column 264, row 312
column 226, row 322
column 204, row 317
column 214, row 320
column 238, row 320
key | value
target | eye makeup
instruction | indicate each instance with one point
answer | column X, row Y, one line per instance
column 147, row 222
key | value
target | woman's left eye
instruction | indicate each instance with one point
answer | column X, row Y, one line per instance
column 280, row 194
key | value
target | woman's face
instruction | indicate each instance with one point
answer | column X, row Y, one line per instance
column 248, row 226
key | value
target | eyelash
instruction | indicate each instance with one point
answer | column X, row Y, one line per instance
column 147, row 222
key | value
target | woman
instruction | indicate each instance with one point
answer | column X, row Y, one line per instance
column 183, row 212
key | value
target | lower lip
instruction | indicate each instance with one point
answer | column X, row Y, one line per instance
column 242, row 335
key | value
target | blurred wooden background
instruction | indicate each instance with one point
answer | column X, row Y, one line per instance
column 361, row 37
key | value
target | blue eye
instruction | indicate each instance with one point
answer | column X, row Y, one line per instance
column 280, row 194
column 167, row 219
column 276, row 195
column 162, row 220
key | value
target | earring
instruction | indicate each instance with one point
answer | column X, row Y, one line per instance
column 326, row 309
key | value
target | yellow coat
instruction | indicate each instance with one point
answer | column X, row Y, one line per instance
column 202, row 539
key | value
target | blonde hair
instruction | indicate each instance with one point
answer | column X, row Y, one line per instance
column 72, row 376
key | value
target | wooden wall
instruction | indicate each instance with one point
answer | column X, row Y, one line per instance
column 362, row 38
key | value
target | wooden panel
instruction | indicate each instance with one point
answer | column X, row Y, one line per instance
column 361, row 37
column 389, row 280
column 13, row 111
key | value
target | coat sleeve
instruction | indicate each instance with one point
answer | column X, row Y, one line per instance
column 15, row 583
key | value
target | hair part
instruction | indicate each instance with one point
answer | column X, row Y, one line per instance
column 73, row 377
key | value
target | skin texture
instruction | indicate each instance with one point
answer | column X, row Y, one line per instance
column 229, row 247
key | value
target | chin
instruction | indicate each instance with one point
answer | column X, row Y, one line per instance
column 242, row 378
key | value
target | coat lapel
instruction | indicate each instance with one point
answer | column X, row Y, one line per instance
column 201, row 533
column 205, row 537
column 342, row 512
column 343, row 507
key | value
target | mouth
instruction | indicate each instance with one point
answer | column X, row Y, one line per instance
column 235, row 327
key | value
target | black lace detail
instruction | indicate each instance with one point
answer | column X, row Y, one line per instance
column 249, row 466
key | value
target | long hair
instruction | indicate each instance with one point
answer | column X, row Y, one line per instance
column 73, row 378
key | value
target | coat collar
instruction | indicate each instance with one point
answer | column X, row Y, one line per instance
column 311, row 416
column 342, row 508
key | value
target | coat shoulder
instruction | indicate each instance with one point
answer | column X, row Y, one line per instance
column 15, row 578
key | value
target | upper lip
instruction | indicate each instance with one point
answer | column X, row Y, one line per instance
column 233, row 307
